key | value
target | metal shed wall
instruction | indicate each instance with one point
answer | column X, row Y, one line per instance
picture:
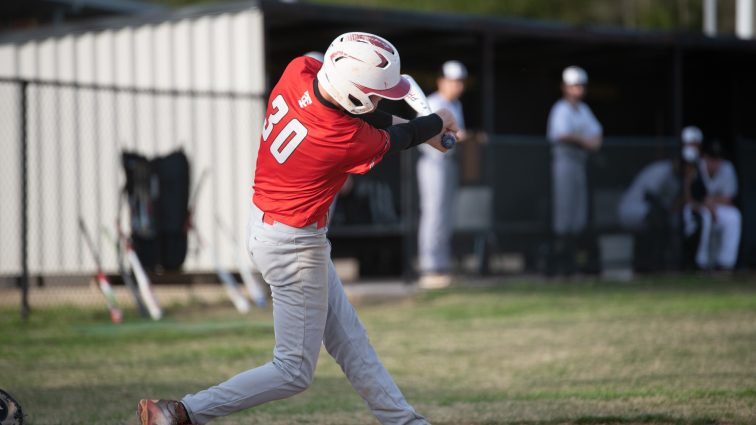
column 195, row 82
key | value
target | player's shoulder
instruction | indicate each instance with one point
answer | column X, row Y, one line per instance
column 661, row 166
column 301, row 68
column 729, row 166
column 560, row 107
column 584, row 106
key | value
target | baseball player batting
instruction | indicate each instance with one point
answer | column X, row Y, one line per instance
column 320, row 126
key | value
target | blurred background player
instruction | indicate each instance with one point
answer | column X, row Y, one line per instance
column 574, row 132
column 649, row 200
column 710, row 212
column 437, row 184
column 650, row 209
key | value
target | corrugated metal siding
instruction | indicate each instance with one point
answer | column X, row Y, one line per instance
column 199, row 83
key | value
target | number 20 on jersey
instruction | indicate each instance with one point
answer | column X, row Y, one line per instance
column 293, row 132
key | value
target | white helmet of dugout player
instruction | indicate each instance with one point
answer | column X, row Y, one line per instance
column 692, row 134
column 574, row 75
column 358, row 65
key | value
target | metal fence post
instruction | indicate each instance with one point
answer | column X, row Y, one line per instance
column 25, row 310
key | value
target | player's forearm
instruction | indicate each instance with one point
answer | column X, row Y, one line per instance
column 569, row 139
column 589, row 143
column 719, row 200
column 412, row 133
column 592, row 143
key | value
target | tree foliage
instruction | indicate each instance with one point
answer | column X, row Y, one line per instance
column 671, row 15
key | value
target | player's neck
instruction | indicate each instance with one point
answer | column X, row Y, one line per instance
column 326, row 96
column 572, row 100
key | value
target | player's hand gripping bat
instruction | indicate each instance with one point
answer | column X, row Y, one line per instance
column 419, row 102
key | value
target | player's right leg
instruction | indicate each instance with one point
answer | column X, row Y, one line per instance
column 728, row 225
column 347, row 342
column 702, row 253
column 436, row 187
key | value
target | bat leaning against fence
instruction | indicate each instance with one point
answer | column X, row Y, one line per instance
column 125, row 271
column 102, row 280
column 226, row 278
column 254, row 285
column 143, row 281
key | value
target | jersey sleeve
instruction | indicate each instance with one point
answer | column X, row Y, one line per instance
column 729, row 185
column 594, row 127
column 367, row 148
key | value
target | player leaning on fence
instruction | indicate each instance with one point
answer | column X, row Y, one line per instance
column 320, row 126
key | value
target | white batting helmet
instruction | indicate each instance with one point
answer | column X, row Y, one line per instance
column 692, row 134
column 358, row 65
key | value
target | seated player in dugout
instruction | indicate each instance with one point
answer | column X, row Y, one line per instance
column 320, row 126
column 710, row 218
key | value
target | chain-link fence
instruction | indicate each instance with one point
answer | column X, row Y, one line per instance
column 62, row 145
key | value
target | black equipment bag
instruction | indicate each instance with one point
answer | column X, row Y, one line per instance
column 158, row 196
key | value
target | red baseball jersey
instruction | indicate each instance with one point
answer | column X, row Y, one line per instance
column 308, row 149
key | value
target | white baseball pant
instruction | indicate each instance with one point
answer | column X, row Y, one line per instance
column 569, row 193
column 632, row 213
column 309, row 308
column 726, row 227
column 437, row 181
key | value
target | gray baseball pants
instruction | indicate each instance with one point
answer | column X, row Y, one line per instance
column 309, row 308
column 569, row 191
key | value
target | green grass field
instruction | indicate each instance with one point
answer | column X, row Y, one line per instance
column 671, row 351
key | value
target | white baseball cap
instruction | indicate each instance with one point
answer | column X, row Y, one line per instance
column 574, row 75
column 454, row 70
column 692, row 134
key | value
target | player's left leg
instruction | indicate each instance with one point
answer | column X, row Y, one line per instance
column 728, row 225
column 347, row 342
column 430, row 178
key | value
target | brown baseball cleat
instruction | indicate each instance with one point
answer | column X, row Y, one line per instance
column 162, row 412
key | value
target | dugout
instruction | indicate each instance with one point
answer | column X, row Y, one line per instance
column 644, row 87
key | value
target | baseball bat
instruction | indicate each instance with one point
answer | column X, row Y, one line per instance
column 126, row 275
column 102, row 281
column 254, row 286
column 226, row 279
column 419, row 102
column 143, row 281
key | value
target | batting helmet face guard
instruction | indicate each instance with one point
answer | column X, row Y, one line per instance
column 358, row 65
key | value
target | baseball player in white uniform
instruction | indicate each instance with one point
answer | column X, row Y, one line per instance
column 656, row 185
column 574, row 132
column 719, row 220
column 437, row 184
